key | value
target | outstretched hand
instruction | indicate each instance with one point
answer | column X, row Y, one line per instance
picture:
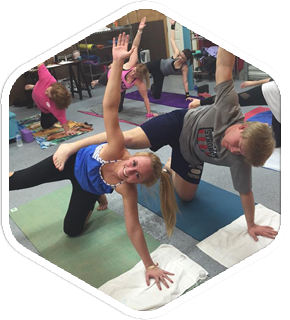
column 120, row 50
column 159, row 275
column 142, row 24
column 172, row 21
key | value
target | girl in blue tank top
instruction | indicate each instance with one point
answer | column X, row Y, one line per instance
column 100, row 169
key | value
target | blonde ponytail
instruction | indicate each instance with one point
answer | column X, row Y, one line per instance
column 168, row 203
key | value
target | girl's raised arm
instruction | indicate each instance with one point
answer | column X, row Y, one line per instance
column 112, row 95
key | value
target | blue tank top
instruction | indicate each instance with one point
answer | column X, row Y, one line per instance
column 87, row 170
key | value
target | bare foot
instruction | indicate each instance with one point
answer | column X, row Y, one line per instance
column 61, row 155
column 168, row 165
column 29, row 87
column 194, row 104
column 103, row 203
column 94, row 83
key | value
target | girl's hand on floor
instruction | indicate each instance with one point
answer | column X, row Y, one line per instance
column 159, row 275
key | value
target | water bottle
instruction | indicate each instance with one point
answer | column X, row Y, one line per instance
column 195, row 91
column 19, row 140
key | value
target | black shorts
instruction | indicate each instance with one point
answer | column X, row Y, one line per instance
column 165, row 130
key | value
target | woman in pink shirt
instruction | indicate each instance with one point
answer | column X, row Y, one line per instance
column 51, row 98
column 132, row 75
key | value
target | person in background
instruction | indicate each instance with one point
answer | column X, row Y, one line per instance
column 177, row 64
column 265, row 92
column 103, row 168
column 133, row 74
column 51, row 98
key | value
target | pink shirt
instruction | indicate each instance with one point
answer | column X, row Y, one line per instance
column 44, row 104
column 124, row 84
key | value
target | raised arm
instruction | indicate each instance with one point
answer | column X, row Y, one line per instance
column 112, row 96
column 136, row 42
column 246, row 84
column 224, row 66
column 176, row 51
column 143, row 92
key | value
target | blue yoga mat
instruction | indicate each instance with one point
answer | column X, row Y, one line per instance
column 264, row 117
column 211, row 209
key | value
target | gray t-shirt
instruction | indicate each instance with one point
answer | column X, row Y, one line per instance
column 204, row 129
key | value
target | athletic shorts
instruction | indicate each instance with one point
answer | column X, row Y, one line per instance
column 165, row 130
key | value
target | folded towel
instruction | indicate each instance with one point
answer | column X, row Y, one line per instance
column 232, row 244
column 131, row 289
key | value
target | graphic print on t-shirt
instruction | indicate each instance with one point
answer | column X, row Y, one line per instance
column 206, row 143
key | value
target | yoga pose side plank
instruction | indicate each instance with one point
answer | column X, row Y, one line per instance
column 133, row 74
column 102, row 168
column 216, row 134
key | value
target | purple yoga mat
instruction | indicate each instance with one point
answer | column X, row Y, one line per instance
column 175, row 100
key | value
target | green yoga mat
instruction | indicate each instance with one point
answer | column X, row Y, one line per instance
column 102, row 252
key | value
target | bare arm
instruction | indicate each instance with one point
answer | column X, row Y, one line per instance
column 143, row 92
column 249, row 210
column 176, row 51
column 246, row 84
column 135, row 233
column 134, row 56
column 184, row 78
column 115, row 138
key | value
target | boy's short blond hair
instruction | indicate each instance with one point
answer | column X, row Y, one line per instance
column 60, row 95
column 258, row 142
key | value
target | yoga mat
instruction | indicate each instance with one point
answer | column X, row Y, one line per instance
column 102, row 252
column 44, row 136
column 254, row 112
column 169, row 99
column 134, row 114
column 87, row 46
column 264, row 117
column 211, row 209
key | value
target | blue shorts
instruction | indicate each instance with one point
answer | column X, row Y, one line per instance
column 165, row 130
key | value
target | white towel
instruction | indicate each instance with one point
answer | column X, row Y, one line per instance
column 274, row 162
column 232, row 244
column 131, row 289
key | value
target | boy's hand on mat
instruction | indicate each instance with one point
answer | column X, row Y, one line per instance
column 160, row 276
column 257, row 230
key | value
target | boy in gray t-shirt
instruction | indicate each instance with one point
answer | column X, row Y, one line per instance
column 203, row 131
column 215, row 134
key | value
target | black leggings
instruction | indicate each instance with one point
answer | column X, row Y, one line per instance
column 104, row 81
column 253, row 97
column 81, row 201
column 47, row 120
column 158, row 78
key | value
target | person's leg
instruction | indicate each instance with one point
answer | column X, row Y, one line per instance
column 122, row 101
column 186, row 190
column 80, row 208
column 156, row 87
column 40, row 173
column 276, row 126
column 252, row 97
column 47, row 120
